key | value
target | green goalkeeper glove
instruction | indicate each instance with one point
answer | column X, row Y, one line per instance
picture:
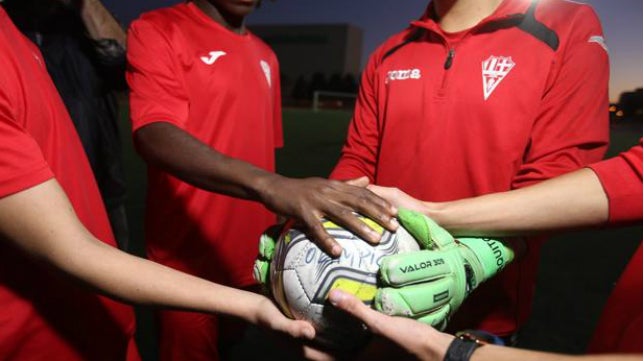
column 266, row 250
column 429, row 285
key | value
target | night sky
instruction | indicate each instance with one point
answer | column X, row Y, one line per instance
column 621, row 19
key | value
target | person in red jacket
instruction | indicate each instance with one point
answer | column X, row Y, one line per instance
column 206, row 117
column 55, row 238
column 478, row 97
column 605, row 193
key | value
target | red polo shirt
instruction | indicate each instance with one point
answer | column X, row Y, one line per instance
column 222, row 88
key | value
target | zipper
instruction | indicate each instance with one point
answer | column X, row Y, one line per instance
column 451, row 48
column 449, row 61
column 450, row 58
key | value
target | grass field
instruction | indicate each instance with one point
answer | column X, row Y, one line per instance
column 312, row 142
column 577, row 270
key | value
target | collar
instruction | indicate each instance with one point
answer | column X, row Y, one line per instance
column 507, row 9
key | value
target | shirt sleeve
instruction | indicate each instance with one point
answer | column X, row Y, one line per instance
column 621, row 178
column 571, row 126
column 22, row 164
column 359, row 154
column 157, row 91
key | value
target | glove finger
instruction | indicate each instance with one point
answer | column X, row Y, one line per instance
column 414, row 222
column 414, row 301
column 268, row 240
column 426, row 232
column 260, row 271
column 413, row 267
column 437, row 318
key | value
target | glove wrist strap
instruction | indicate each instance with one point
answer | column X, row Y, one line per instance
column 492, row 255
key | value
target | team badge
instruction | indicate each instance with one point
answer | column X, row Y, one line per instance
column 267, row 71
column 494, row 69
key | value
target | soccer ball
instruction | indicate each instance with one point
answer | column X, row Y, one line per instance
column 302, row 276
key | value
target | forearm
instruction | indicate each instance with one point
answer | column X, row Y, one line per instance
column 573, row 200
column 498, row 353
column 100, row 23
column 438, row 343
column 173, row 150
column 41, row 221
column 137, row 280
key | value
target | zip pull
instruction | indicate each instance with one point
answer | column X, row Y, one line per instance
column 450, row 58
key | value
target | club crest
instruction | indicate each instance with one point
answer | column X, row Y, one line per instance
column 494, row 70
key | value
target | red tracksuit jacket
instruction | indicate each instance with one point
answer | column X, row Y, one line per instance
column 517, row 99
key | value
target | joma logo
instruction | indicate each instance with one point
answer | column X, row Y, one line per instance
column 403, row 74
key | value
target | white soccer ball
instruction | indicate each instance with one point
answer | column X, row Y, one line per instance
column 302, row 276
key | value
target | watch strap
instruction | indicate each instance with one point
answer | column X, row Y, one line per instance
column 462, row 348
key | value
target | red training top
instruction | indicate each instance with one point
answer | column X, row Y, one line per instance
column 620, row 326
column 222, row 88
column 519, row 98
column 45, row 316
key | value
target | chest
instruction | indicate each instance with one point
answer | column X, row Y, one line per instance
column 485, row 78
column 217, row 67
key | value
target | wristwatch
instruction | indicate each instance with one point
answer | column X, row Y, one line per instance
column 463, row 346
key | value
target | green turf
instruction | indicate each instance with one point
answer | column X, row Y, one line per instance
column 312, row 142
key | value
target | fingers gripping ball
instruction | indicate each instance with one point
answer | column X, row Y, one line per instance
column 430, row 284
column 302, row 275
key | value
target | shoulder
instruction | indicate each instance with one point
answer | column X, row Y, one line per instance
column 161, row 28
column 391, row 45
column 568, row 17
column 164, row 20
column 557, row 10
column 261, row 45
column 164, row 15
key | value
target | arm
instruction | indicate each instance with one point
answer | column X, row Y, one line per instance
column 106, row 37
column 426, row 343
column 100, row 23
column 41, row 221
column 570, row 128
column 159, row 111
column 573, row 200
column 609, row 191
column 307, row 200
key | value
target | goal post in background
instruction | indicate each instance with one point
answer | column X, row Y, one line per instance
column 323, row 99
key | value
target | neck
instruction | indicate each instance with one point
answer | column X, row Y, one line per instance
column 229, row 21
column 458, row 15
